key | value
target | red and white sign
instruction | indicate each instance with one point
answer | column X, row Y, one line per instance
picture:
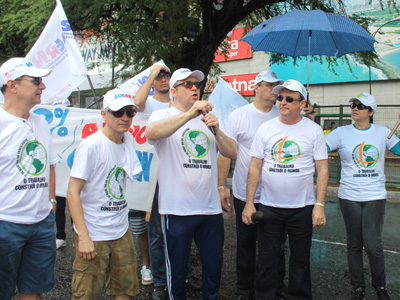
column 243, row 84
column 238, row 49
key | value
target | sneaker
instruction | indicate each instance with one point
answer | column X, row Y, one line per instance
column 281, row 295
column 359, row 294
column 382, row 293
column 60, row 243
column 159, row 293
column 147, row 277
column 194, row 283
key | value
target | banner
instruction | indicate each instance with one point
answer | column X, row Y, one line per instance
column 225, row 100
column 137, row 81
column 69, row 126
column 57, row 49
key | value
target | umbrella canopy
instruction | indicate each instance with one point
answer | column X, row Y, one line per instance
column 314, row 32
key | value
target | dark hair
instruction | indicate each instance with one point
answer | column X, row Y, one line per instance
column 371, row 118
column 3, row 88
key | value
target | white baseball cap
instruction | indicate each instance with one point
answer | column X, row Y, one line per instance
column 292, row 85
column 267, row 76
column 366, row 99
column 118, row 98
column 183, row 73
column 19, row 66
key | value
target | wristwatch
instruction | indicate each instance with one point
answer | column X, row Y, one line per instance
column 52, row 200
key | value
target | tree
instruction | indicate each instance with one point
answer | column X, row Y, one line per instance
column 181, row 32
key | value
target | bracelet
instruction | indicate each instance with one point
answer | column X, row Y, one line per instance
column 53, row 201
column 222, row 187
column 320, row 204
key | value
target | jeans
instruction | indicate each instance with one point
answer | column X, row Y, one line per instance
column 297, row 223
column 246, row 247
column 364, row 225
column 156, row 246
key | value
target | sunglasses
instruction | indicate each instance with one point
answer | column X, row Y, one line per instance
column 189, row 84
column 269, row 84
column 289, row 99
column 164, row 75
column 36, row 80
column 360, row 106
column 130, row 112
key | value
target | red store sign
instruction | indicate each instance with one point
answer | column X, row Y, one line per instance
column 243, row 84
column 238, row 49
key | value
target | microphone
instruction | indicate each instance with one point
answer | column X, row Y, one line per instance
column 212, row 129
column 257, row 216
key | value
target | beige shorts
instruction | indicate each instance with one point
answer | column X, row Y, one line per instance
column 115, row 266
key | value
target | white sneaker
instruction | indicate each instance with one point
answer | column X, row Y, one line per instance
column 60, row 243
column 147, row 277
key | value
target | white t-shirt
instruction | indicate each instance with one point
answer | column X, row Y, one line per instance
column 362, row 154
column 289, row 153
column 242, row 125
column 153, row 105
column 25, row 158
column 103, row 164
column 188, row 168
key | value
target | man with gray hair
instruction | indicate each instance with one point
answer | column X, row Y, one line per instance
column 286, row 150
column 242, row 125
column 27, row 201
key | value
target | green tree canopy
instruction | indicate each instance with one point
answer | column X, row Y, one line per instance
column 181, row 32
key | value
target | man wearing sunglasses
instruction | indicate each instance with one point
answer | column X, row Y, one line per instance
column 104, row 250
column 286, row 150
column 242, row 124
column 27, row 205
column 188, row 195
column 158, row 80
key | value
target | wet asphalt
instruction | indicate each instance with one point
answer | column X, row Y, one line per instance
column 330, row 276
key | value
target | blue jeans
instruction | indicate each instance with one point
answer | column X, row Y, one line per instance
column 246, row 246
column 156, row 246
column 27, row 257
column 297, row 223
column 364, row 225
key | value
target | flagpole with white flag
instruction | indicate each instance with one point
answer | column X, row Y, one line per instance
column 57, row 49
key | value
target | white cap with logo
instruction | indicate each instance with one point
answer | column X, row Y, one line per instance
column 183, row 73
column 292, row 85
column 267, row 76
column 366, row 99
column 19, row 66
column 118, row 98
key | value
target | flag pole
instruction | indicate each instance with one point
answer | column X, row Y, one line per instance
column 94, row 94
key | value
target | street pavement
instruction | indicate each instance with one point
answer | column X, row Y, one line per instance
column 330, row 276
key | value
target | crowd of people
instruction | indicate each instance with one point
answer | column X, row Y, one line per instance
column 276, row 149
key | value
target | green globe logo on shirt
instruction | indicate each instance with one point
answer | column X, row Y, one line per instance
column 286, row 151
column 116, row 182
column 33, row 158
column 366, row 155
column 197, row 143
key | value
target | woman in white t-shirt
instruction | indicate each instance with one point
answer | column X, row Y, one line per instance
column 362, row 193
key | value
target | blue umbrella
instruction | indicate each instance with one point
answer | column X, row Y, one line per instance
column 315, row 32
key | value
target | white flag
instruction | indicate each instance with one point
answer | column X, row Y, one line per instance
column 225, row 100
column 57, row 49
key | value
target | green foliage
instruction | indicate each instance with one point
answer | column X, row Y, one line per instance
column 143, row 31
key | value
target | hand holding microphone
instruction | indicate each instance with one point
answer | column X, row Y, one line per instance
column 257, row 217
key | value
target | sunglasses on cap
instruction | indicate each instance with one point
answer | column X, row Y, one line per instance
column 130, row 112
column 36, row 80
column 289, row 99
column 360, row 106
column 190, row 84
column 163, row 75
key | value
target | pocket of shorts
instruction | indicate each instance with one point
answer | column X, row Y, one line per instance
column 80, row 277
